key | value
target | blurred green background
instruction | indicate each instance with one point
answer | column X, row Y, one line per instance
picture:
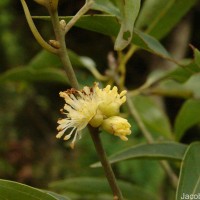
column 29, row 151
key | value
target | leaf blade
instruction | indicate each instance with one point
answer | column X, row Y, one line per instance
column 164, row 150
column 31, row 74
column 159, row 17
column 152, row 116
column 130, row 10
column 187, row 117
column 189, row 182
column 97, row 186
column 17, row 191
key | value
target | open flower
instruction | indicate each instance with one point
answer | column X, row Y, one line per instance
column 92, row 106
column 80, row 108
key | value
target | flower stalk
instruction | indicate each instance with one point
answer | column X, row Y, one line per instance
column 117, row 194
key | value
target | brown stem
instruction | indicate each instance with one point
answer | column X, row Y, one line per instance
column 62, row 53
column 105, row 163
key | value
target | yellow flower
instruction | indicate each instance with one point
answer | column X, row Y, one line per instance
column 117, row 126
column 91, row 106
column 80, row 108
column 110, row 100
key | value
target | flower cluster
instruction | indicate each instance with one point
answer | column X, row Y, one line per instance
column 95, row 106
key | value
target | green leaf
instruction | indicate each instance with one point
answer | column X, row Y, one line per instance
column 161, row 151
column 44, row 59
column 189, row 181
column 159, row 17
column 183, row 73
column 171, row 88
column 193, row 84
column 107, row 7
column 180, row 73
column 152, row 115
column 47, row 67
column 187, row 117
column 96, row 186
column 32, row 74
column 129, row 10
column 10, row 190
column 152, row 44
column 100, row 24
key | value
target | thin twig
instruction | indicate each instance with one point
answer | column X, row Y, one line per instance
column 78, row 15
column 34, row 30
column 62, row 53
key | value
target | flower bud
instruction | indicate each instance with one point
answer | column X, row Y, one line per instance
column 117, row 126
column 54, row 43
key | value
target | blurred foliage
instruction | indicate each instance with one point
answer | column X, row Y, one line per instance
column 31, row 79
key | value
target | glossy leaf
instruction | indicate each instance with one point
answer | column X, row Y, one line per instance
column 97, row 186
column 129, row 10
column 187, row 117
column 152, row 115
column 16, row 191
column 152, row 44
column 189, row 182
column 159, row 17
column 100, row 24
column 160, row 151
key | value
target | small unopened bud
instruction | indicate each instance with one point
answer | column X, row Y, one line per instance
column 117, row 126
column 63, row 24
column 54, row 43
